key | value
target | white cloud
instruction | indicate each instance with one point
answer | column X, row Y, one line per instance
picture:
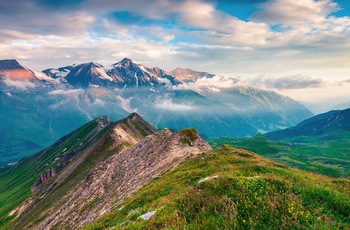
column 21, row 85
column 286, row 82
column 125, row 104
column 66, row 92
column 98, row 102
column 301, row 14
column 283, row 38
column 213, row 84
column 167, row 104
column 43, row 76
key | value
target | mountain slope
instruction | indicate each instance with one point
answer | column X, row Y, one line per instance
column 320, row 144
column 12, row 70
column 86, row 74
column 78, row 172
column 234, row 189
column 322, row 124
column 126, row 175
column 38, row 113
column 129, row 73
column 19, row 179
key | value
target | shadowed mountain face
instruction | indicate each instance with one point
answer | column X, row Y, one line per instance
column 323, row 124
column 320, row 144
column 96, row 166
column 11, row 69
column 38, row 112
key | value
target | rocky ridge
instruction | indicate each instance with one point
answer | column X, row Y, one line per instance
column 135, row 154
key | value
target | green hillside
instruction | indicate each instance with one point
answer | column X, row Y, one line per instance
column 234, row 189
column 127, row 175
column 18, row 180
column 316, row 154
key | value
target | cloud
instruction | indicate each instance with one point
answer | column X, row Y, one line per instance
column 43, row 76
column 191, row 34
column 167, row 104
column 98, row 102
column 66, row 92
column 125, row 104
column 286, row 82
column 294, row 13
column 21, row 85
column 213, row 84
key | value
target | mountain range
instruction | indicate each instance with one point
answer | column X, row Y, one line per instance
column 40, row 107
column 320, row 144
column 321, row 125
column 128, row 175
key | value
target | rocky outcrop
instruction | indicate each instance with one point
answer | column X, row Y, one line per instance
column 128, row 73
column 111, row 181
column 45, row 176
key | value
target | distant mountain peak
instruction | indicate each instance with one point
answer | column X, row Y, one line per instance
column 125, row 63
column 321, row 124
column 11, row 69
column 189, row 75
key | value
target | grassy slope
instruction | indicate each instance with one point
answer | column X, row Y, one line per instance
column 93, row 147
column 249, row 192
column 327, row 155
column 17, row 182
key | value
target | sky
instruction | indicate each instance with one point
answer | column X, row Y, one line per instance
column 299, row 48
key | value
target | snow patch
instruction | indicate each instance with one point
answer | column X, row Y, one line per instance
column 94, row 86
column 102, row 74
column 144, row 69
column 137, row 80
column 147, row 215
column 207, row 178
column 135, row 62
column 8, row 94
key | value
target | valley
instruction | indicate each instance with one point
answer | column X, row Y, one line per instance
column 39, row 110
column 320, row 144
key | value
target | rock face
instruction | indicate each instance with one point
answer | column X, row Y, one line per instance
column 87, row 74
column 125, row 73
column 123, row 174
column 11, row 69
column 68, row 97
column 121, row 158
column 132, row 74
